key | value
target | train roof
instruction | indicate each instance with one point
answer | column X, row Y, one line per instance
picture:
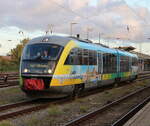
column 125, row 53
column 60, row 40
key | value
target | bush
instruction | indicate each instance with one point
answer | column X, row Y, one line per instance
column 8, row 66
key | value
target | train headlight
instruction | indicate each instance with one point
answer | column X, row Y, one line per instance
column 49, row 71
column 25, row 70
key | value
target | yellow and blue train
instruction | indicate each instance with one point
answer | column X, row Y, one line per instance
column 65, row 65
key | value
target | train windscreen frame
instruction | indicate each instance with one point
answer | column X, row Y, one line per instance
column 42, row 51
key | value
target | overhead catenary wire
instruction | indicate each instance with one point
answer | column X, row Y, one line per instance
column 96, row 29
column 75, row 13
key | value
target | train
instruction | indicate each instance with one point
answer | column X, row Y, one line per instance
column 59, row 66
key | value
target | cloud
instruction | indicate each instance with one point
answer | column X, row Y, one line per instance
column 109, row 17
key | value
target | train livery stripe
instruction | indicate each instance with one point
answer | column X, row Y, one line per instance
column 62, row 69
column 109, row 76
column 63, row 73
column 114, row 75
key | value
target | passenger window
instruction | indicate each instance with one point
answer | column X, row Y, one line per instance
column 124, row 63
column 80, row 56
column 85, row 57
column 109, row 63
column 71, row 58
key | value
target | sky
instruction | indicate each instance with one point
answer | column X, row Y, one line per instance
column 117, row 22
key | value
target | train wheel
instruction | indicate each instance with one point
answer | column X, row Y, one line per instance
column 134, row 79
column 117, row 81
column 78, row 88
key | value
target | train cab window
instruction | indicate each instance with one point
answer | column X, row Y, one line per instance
column 41, row 52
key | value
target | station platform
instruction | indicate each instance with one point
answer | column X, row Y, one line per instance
column 142, row 118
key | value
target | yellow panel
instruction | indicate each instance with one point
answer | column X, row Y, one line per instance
column 62, row 69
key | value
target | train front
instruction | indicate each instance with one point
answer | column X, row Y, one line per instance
column 37, row 66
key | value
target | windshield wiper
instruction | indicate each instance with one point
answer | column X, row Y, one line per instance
column 38, row 57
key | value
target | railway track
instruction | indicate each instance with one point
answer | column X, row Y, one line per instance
column 121, row 121
column 8, row 79
column 37, row 104
column 25, row 107
column 106, row 115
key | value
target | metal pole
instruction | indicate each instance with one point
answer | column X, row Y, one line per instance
column 87, row 33
column 140, row 47
column 99, row 38
column 71, row 25
column 70, row 29
column 88, row 30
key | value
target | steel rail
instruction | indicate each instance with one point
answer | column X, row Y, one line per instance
column 87, row 116
column 41, row 105
column 131, row 113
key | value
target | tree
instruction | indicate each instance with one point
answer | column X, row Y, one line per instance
column 16, row 52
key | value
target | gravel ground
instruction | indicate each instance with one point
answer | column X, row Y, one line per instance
column 11, row 95
column 57, row 115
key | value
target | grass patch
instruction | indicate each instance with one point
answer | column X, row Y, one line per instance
column 10, row 95
column 32, row 121
column 66, row 108
column 6, row 123
column 54, row 111
column 80, row 100
column 84, row 109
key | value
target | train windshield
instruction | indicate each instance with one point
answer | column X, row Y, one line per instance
column 42, row 51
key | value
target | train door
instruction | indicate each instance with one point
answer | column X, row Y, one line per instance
column 118, row 67
column 100, row 68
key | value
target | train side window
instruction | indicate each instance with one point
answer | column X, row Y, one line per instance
column 71, row 57
column 109, row 63
column 121, row 63
column 134, row 61
column 104, row 63
column 113, row 63
column 124, row 63
column 92, row 57
column 95, row 58
column 85, row 57
column 79, row 57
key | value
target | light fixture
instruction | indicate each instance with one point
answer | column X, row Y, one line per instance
column 49, row 71
column 25, row 70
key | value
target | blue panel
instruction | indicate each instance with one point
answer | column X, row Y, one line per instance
column 96, row 47
column 124, row 53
